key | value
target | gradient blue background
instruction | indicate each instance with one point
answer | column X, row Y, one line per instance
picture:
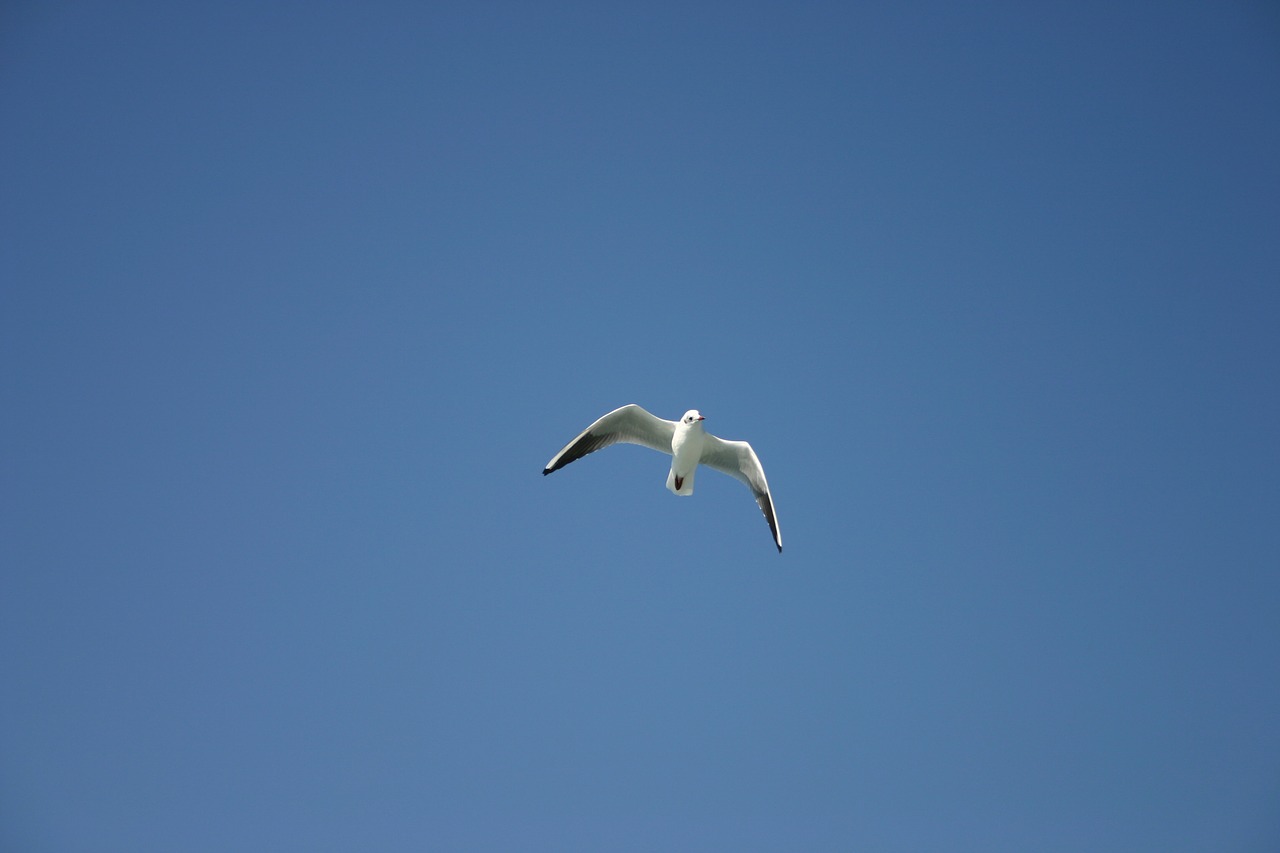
column 298, row 298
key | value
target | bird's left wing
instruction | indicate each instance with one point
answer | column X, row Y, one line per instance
column 629, row 424
column 738, row 460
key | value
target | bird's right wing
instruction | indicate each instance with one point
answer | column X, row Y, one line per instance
column 630, row 425
column 738, row 460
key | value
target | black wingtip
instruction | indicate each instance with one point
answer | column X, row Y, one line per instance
column 546, row 471
column 779, row 549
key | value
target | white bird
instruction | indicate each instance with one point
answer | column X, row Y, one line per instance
column 687, row 442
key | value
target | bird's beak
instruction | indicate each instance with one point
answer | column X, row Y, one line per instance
column 701, row 418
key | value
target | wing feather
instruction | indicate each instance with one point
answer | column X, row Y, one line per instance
column 628, row 425
column 738, row 460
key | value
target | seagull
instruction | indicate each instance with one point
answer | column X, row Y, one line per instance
column 687, row 442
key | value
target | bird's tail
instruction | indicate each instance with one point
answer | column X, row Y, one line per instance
column 685, row 487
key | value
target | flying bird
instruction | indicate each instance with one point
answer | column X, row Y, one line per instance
column 689, row 446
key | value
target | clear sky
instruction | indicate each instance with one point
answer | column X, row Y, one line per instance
column 297, row 299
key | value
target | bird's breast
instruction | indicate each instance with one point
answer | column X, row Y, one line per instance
column 686, row 447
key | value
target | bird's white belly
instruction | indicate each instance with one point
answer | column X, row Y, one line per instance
column 686, row 451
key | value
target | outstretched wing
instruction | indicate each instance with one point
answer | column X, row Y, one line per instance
column 738, row 460
column 630, row 425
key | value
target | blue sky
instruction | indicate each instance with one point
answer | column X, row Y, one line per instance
column 298, row 299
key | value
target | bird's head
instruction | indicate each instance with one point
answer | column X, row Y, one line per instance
column 692, row 417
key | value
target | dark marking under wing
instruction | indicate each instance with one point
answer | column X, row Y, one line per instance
column 766, row 506
column 588, row 442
